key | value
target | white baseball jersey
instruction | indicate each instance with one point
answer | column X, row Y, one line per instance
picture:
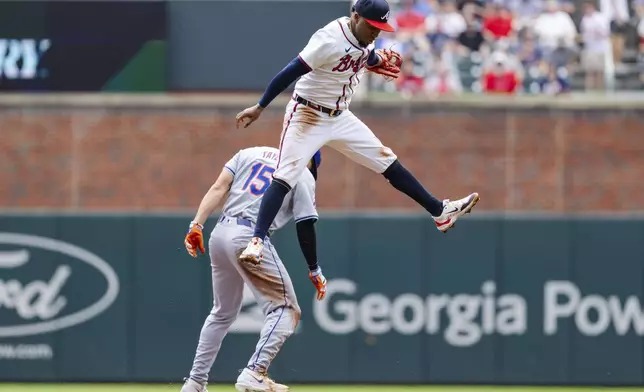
column 336, row 61
column 252, row 170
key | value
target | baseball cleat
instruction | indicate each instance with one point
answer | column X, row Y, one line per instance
column 252, row 381
column 452, row 210
column 192, row 386
column 253, row 252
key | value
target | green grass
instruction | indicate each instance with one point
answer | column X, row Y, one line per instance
column 294, row 388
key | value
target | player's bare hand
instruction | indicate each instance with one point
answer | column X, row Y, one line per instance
column 319, row 281
column 194, row 239
column 249, row 115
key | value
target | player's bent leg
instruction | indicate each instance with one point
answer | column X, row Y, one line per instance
column 273, row 289
column 268, row 210
column 356, row 141
column 401, row 179
column 445, row 213
column 212, row 334
column 279, row 325
column 228, row 286
column 304, row 133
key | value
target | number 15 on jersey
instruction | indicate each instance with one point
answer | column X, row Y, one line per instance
column 259, row 179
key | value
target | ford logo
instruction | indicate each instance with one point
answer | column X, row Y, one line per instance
column 41, row 300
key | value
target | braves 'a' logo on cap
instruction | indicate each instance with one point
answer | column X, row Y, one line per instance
column 375, row 12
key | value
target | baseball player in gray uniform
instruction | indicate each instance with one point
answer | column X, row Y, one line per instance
column 242, row 183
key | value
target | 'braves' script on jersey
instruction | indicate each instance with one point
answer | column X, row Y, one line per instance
column 337, row 62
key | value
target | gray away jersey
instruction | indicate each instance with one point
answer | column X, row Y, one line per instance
column 252, row 169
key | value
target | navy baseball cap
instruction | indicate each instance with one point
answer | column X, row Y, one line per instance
column 375, row 12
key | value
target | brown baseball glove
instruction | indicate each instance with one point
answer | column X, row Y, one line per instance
column 389, row 65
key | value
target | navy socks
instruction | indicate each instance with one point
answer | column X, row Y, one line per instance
column 270, row 206
column 401, row 179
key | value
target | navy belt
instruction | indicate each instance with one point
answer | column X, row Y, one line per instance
column 240, row 221
column 315, row 106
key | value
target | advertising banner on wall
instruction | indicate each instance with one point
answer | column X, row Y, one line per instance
column 82, row 46
column 98, row 298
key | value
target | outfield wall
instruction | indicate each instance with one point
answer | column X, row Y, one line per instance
column 536, row 301
column 541, row 154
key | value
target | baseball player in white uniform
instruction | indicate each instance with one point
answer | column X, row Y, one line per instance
column 329, row 69
column 242, row 183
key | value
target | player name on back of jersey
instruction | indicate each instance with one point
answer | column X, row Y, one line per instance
column 273, row 156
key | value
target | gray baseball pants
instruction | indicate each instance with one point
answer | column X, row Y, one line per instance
column 271, row 285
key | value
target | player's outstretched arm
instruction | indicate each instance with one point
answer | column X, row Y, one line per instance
column 215, row 195
column 280, row 82
column 210, row 201
column 308, row 244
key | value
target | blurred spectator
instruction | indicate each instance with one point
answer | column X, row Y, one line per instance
column 554, row 26
column 640, row 33
column 557, row 69
column 555, row 80
column 443, row 80
column 528, row 50
column 416, row 59
column 462, row 4
column 618, row 14
column 500, row 78
column 424, row 7
column 444, row 25
column 567, row 6
column 471, row 39
column 442, row 75
column 409, row 20
column 562, row 56
column 503, row 50
column 410, row 35
column 524, row 12
column 638, row 5
column 640, row 55
column 497, row 22
column 508, row 46
column 472, row 10
column 595, row 32
column 412, row 78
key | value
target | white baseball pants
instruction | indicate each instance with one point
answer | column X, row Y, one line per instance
column 306, row 130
